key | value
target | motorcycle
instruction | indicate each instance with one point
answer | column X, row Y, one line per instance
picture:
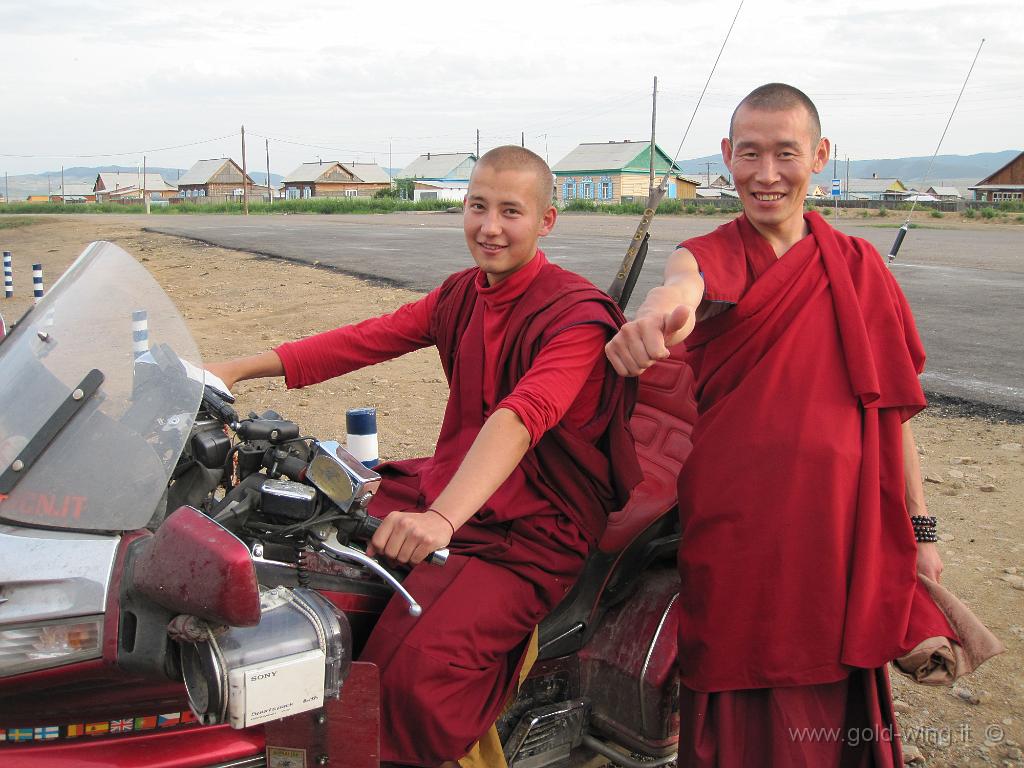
column 184, row 587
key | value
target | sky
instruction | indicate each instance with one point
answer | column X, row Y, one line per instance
column 90, row 83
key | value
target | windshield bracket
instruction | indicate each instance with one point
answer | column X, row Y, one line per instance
column 73, row 403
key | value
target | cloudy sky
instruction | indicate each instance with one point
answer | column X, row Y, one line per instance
column 88, row 83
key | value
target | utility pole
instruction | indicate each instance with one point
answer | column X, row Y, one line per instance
column 546, row 160
column 846, row 195
column 522, row 139
column 270, row 189
column 245, row 189
column 63, row 191
column 835, row 162
column 708, row 164
column 654, row 120
column 145, row 197
column 7, row 189
column 477, row 143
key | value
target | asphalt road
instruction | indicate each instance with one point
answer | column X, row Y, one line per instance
column 966, row 285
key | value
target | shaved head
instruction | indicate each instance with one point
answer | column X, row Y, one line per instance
column 779, row 97
column 513, row 158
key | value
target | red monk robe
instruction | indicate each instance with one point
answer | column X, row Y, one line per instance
column 532, row 343
column 798, row 558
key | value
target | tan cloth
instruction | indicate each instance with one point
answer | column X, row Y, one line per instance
column 487, row 753
column 937, row 660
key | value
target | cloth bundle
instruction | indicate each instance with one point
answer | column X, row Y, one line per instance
column 937, row 660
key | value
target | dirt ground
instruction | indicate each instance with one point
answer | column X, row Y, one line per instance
column 236, row 303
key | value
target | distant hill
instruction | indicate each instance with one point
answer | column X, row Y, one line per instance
column 949, row 170
column 49, row 181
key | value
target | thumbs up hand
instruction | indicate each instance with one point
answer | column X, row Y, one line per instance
column 641, row 343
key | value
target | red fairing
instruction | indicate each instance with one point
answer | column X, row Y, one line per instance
column 188, row 748
column 628, row 668
column 195, row 566
column 112, row 613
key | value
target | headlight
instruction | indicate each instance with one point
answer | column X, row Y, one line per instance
column 296, row 657
column 49, row 644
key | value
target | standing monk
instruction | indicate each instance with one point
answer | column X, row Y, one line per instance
column 802, row 499
column 521, row 481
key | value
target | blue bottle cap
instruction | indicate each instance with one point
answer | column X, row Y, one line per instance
column 361, row 421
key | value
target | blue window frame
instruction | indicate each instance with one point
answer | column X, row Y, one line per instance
column 587, row 188
column 604, row 191
column 568, row 190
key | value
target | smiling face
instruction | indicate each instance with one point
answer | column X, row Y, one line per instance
column 504, row 218
column 772, row 155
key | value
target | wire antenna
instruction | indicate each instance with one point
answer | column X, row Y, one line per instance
column 664, row 179
column 927, row 173
column 625, row 279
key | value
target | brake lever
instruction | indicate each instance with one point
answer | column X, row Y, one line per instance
column 332, row 546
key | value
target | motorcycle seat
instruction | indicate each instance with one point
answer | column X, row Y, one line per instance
column 661, row 424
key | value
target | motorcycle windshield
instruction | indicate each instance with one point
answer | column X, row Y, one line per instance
column 76, row 456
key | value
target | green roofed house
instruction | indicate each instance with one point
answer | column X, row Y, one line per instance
column 615, row 172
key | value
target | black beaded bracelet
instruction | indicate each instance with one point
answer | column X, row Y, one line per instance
column 925, row 528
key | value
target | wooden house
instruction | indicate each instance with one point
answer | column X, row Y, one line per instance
column 615, row 172
column 1004, row 185
column 944, row 193
column 216, row 179
column 74, row 193
column 877, row 188
column 111, row 186
column 444, row 166
column 335, row 179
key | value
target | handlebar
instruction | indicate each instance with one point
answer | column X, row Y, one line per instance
column 369, row 526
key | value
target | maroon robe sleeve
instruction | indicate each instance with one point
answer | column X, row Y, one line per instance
column 561, row 377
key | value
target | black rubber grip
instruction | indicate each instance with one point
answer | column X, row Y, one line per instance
column 899, row 241
column 369, row 526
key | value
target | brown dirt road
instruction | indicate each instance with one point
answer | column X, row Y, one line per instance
column 240, row 304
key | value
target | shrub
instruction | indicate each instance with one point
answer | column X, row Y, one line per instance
column 825, row 211
column 969, row 213
column 691, row 209
column 989, row 213
column 881, row 212
column 708, row 210
column 580, row 204
column 935, row 214
column 864, row 213
column 1019, row 219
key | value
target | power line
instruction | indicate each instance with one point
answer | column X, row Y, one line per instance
column 119, row 154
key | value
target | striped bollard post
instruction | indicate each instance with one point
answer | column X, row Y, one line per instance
column 8, row 275
column 140, row 333
column 361, row 442
column 37, row 282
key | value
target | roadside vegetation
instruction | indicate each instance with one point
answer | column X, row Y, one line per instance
column 18, row 222
column 309, row 205
column 389, row 203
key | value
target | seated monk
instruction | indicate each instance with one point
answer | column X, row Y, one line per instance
column 803, row 520
column 521, row 481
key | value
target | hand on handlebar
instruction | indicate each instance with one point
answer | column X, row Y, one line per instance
column 410, row 537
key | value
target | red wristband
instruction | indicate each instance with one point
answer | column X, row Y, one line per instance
column 436, row 512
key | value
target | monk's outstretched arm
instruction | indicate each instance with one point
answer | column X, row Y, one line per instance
column 666, row 317
column 408, row 537
column 243, row 368
column 929, row 562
